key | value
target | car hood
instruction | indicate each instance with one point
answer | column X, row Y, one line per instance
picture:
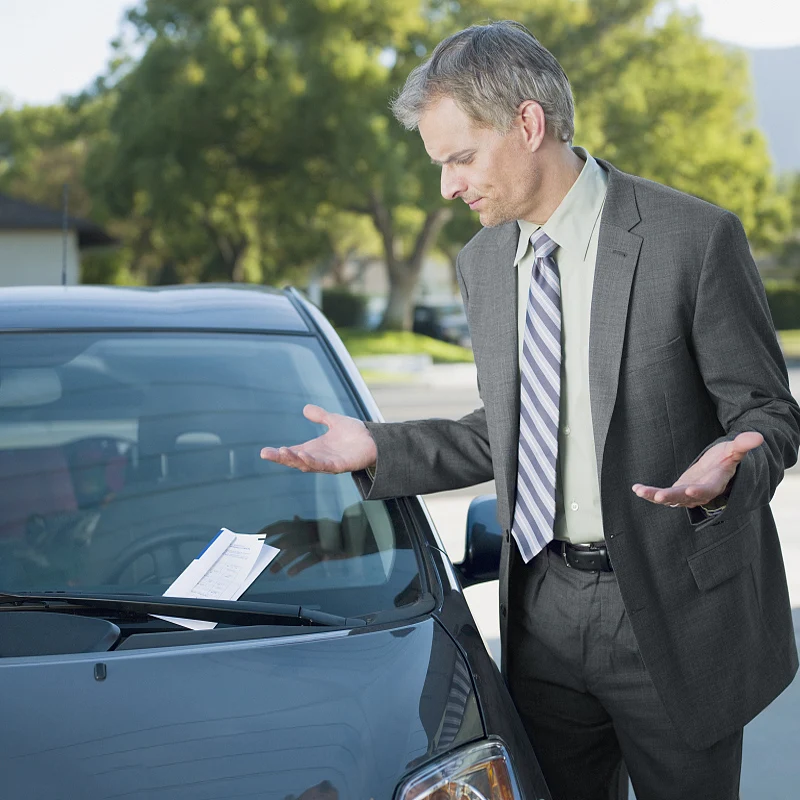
column 324, row 716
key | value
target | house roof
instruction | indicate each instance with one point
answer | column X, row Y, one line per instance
column 21, row 215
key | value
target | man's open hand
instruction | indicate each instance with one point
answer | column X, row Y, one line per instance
column 707, row 478
column 346, row 447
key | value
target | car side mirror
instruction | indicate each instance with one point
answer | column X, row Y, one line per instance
column 484, row 542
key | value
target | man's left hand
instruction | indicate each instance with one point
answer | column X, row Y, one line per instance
column 707, row 478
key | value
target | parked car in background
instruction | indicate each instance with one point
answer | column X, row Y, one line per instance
column 447, row 322
column 131, row 422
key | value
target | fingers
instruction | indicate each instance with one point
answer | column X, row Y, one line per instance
column 299, row 458
column 290, row 457
column 689, row 496
column 280, row 455
column 284, row 558
column 308, row 560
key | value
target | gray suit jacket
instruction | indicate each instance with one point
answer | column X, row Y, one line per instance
column 682, row 355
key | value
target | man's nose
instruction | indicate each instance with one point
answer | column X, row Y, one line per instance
column 452, row 184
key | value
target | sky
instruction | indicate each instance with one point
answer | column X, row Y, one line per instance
column 50, row 48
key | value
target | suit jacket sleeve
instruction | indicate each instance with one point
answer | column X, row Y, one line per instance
column 431, row 455
column 742, row 365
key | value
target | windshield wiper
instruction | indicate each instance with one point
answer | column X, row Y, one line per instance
column 233, row 612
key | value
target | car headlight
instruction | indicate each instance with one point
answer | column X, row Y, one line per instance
column 480, row 771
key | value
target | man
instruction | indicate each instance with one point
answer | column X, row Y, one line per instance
column 636, row 419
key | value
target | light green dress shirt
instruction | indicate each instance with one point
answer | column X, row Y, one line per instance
column 575, row 227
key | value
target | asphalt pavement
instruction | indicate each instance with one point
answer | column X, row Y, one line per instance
column 771, row 766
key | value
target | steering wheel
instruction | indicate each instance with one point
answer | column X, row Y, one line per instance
column 164, row 549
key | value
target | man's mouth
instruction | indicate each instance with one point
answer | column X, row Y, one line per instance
column 473, row 203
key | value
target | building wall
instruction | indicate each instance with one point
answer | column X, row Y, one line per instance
column 436, row 279
column 34, row 258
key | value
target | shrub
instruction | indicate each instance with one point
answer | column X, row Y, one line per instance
column 343, row 308
column 784, row 303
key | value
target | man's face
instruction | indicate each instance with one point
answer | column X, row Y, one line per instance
column 494, row 173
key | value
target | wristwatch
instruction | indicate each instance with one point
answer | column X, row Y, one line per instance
column 718, row 504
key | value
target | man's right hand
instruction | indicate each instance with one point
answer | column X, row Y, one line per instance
column 346, row 447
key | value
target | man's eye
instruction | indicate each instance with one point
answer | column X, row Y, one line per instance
column 463, row 161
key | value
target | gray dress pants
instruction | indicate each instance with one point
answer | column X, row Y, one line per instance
column 587, row 701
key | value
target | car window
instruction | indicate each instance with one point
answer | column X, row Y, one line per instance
column 123, row 454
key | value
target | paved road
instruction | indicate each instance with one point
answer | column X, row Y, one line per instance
column 771, row 769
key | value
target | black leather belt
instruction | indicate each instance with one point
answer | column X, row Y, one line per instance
column 592, row 557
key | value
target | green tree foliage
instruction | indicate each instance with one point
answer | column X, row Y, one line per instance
column 199, row 143
column 244, row 123
column 788, row 254
column 44, row 148
column 679, row 111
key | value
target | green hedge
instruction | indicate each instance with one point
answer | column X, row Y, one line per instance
column 784, row 303
column 344, row 309
column 348, row 310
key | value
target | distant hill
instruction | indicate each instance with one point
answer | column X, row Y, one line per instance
column 776, row 75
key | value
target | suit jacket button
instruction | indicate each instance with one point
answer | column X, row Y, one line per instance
column 508, row 536
column 502, row 611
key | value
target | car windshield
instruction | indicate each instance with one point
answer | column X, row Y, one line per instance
column 123, row 454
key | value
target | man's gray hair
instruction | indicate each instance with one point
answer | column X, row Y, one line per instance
column 488, row 70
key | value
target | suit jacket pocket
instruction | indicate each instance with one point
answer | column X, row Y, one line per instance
column 652, row 355
column 723, row 559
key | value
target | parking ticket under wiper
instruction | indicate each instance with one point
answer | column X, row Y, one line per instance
column 231, row 612
column 227, row 567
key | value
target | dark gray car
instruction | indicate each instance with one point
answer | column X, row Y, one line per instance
column 130, row 427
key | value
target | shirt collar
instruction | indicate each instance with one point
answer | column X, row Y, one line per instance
column 572, row 223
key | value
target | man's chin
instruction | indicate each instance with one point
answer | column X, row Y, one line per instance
column 488, row 220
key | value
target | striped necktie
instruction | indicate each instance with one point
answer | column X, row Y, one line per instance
column 540, row 385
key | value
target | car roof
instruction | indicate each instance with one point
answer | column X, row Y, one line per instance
column 191, row 307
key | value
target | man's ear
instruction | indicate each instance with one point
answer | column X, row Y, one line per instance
column 533, row 123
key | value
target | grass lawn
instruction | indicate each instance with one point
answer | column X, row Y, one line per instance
column 379, row 343
column 383, row 343
column 790, row 341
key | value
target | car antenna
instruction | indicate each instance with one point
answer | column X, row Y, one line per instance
column 64, row 233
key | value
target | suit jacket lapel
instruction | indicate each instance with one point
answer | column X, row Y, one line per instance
column 617, row 256
column 495, row 319
column 508, row 368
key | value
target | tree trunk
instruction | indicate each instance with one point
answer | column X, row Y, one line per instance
column 404, row 274
column 402, row 284
column 452, row 256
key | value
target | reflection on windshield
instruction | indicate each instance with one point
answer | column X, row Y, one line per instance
column 324, row 790
column 122, row 455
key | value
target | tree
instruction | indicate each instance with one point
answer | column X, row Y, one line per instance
column 198, row 142
column 788, row 254
column 42, row 148
column 243, row 119
column 678, row 109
